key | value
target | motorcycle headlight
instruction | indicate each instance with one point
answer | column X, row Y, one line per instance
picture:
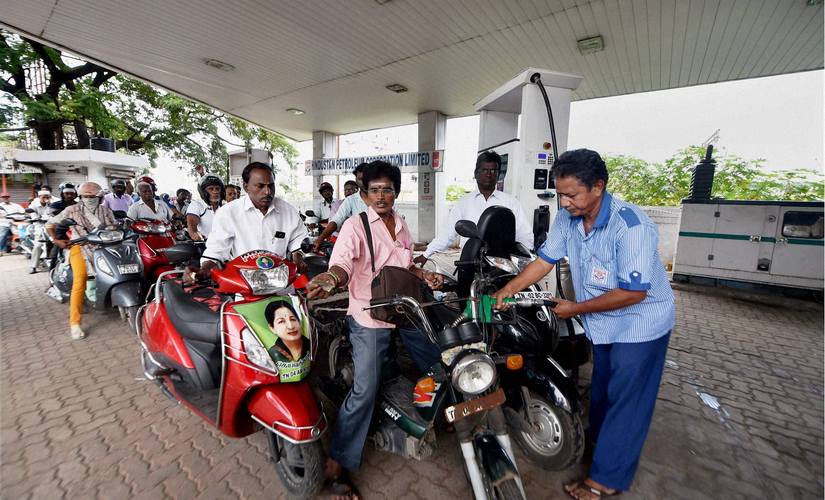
column 521, row 262
column 157, row 228
column 255, row 352
column 474, row 373
column 267, row 281
column 110, row 235
column 103, row 266
column 505, row 265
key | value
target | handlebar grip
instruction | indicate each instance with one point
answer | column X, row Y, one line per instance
column 464, row 263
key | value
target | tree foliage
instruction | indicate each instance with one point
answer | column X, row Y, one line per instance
column 454, row 192
column 93, row 101
column 668, row 183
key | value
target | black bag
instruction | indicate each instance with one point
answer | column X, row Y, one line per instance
column 391, row 281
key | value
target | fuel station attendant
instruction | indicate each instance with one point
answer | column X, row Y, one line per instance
column 626, row 303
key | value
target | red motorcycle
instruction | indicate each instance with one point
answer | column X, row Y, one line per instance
column 238, row 354
column 153, row 238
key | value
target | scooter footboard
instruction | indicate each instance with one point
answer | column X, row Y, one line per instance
column 289, row 410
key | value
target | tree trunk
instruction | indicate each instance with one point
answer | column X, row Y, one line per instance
column 82, row 133
column 49, row 133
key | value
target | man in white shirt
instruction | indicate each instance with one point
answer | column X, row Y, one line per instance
column 323, row 208
column 353, row 205
column 258, row 221
column 199, row 214
column 470, row 206
column 6, row 208
column 148, row 207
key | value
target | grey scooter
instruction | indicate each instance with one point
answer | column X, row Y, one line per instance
column 118, row 271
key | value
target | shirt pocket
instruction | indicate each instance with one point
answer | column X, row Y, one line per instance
column 600, row 276
column 279, row 246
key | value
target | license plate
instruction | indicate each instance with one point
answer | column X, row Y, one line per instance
column 128, row 268
column 466, row 408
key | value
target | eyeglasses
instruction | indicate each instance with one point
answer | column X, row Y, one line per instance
column 384, row 191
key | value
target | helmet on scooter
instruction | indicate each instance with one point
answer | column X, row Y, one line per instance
column 210, row 180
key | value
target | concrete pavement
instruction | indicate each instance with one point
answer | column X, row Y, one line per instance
column 740, row 415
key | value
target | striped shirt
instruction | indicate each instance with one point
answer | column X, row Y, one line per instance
column 619, row 252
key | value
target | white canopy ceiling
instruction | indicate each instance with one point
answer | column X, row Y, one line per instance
column 333, row 58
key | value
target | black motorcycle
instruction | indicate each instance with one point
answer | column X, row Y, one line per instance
column 544, row 409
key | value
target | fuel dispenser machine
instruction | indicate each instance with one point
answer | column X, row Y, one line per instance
column 525, row 121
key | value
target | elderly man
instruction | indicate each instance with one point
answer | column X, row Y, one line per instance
column 118, row 200
column 258, row 221
column 41, row 211
column 149, row 207
column 6, row 208
column 88, row 215
column 625, row 300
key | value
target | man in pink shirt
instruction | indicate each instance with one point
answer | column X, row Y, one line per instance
column 350, row 265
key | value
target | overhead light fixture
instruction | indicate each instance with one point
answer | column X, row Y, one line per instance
column 214, row 63
column 397, row 88
column 295, row 111
column 590, row 45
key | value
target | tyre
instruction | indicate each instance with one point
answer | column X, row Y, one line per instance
column 300, row 466
column 555, row 441
column 507, row 490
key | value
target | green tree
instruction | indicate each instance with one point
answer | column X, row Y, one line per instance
column 90, row 101
column 454, row 192
column 668, row 183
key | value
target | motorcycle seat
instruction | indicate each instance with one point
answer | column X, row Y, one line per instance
column 192, row 319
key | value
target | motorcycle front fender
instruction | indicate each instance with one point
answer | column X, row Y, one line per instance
column 126, row 294
column 546, row 378
column 494, row 459
column 289, row 410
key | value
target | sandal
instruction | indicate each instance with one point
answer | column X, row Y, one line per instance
column 582, row 484
column 342, row 487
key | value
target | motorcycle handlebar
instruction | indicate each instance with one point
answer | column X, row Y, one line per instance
column 465, row 263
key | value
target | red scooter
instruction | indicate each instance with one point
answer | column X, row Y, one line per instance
column 242, row 362
column 153, row 238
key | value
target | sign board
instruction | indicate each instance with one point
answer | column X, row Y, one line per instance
column 407, row 162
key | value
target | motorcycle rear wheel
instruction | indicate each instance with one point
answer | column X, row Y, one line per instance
column 300, row 466
column 557, row 441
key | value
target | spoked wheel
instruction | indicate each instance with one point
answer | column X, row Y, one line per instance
column 555, row 440
column 299, row 466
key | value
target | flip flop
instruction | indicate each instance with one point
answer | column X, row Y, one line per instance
column 343, row 487
column 570, row 487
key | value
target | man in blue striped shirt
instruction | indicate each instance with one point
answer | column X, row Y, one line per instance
column 625, row 300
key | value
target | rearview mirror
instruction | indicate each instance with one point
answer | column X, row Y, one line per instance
column 119, row 214
column 467, row 229
column 310, row 213
column 29, row 210
column 67, row 222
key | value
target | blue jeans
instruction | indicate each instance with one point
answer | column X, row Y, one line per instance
column 623, row 391
column 5, row 238
column 369, row 346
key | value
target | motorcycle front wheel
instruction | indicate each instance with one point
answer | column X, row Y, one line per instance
column 300, row 466
column 507, row 490
column 555, row 440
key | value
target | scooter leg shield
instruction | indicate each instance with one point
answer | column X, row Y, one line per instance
column 126, row 294
column 288, row 409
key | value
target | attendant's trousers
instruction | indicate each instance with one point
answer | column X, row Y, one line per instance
column 625, row 384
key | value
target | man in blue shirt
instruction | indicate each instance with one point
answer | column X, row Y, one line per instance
column 625, row 300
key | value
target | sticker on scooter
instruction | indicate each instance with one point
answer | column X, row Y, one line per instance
column 265, row 262
column 423, row 398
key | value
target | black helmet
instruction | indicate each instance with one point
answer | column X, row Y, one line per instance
column 210, row 180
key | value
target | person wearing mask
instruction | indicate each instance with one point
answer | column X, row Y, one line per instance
column 88, row 215
column 624, row 298
column 148, row 206
column 199, row 214
column 6, row 208
column 323, row 207
column 352, row 205
column 350, row 188
column 118, row 200
column 351, row 265
column 470, row 207
column 41, row 211
column 258, row 221
column 233, row 192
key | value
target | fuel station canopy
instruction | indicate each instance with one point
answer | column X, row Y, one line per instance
column 347, row 66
